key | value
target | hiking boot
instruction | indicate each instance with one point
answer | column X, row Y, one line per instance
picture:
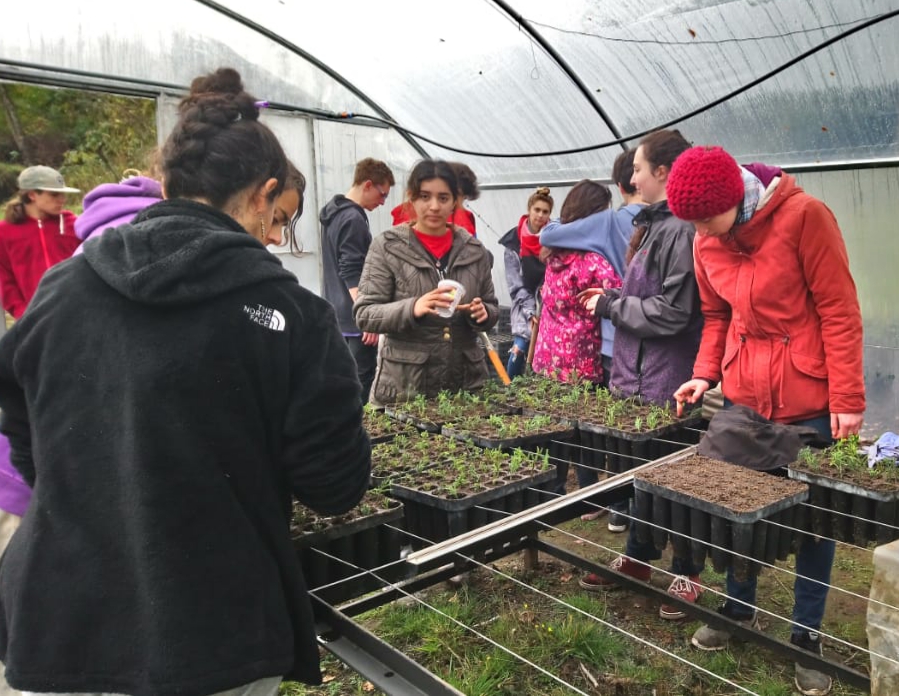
column 623, row 564
column 810, row 682
column 686, row 588
column 709, row 638
column 617, row 523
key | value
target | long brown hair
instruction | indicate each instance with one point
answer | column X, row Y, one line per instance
column 585, row 198
column 15, row 208
column 660, row 149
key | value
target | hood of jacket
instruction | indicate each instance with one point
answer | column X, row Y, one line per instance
column 336, row 205
column 560, row 259
column 747, row 237
column 179, row 252
column 110, row 205
column 510, row 239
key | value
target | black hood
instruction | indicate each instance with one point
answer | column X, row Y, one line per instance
column 337, row 205
column 179, row 252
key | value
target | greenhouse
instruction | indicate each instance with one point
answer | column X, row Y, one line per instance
column 533, row 94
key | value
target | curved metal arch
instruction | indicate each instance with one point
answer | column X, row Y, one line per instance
column 563, row 64
column 293, row 48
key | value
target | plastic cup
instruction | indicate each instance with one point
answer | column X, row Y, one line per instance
column 456, row 291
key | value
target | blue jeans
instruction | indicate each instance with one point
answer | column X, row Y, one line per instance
column 515, row 367
column 814, row 561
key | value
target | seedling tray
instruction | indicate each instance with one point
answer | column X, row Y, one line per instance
column 366, row 542
column 616, row 450
column 700, row 527
column 437, row 518
column 867, row 515
column 527, row 442
column 420, row 423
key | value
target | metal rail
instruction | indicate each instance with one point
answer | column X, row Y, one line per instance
column 383, row 665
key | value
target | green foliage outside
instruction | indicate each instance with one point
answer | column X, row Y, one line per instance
column 89, row 136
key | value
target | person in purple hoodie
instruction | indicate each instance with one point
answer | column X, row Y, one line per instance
column 111, row 205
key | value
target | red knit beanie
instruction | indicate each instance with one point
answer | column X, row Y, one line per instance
column 704, row 182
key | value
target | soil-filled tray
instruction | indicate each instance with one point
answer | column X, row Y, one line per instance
column 710, row 508
column 725, row 490
column 436, row 517
column 849, row 501
column 367, row 537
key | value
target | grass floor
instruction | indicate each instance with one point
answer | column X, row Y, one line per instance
column 570, row 634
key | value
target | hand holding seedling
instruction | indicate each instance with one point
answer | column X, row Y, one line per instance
column 845, row 424
column 690, row 392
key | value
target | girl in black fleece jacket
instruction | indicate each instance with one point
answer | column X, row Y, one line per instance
column 199, row 387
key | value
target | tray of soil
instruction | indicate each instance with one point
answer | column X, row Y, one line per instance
column 708, row 507
column 849, row 501
column 365, row 537
column 381, row 427
column 621, row 433
column 432, row 414
column 468, row 493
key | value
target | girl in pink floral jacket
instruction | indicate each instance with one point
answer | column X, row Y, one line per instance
column 569, row 342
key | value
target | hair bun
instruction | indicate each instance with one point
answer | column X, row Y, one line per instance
column 222, row 81
column 219, row 99
column 542, row 191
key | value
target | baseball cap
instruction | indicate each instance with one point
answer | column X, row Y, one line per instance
column 43, row 179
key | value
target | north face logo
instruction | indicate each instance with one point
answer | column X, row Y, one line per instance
column 267, row 317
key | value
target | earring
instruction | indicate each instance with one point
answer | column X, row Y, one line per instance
column 262, row 225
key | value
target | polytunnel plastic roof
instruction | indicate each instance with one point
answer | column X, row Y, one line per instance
column 470, row 75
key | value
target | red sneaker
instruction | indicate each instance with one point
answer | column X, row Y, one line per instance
column 682, row 587
column 623, row 564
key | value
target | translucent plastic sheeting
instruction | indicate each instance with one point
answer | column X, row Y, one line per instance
column 469, row 76
column 168, row 41
column 656, row 60
column 464, row 75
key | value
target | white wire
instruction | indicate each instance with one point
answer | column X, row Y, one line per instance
column 496, row 644
column 607, row 624
column 851, row 516
column 719, row 593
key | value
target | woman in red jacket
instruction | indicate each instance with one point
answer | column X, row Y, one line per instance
column 36, row 233
column 782, row 333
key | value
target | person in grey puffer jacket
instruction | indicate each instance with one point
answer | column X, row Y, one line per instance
column 423, row 352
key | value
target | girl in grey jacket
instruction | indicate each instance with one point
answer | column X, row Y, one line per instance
column 423, row 352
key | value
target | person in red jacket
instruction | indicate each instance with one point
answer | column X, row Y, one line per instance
column 782, row 333
column 36, row 233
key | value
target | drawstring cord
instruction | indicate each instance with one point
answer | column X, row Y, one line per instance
column 40, row 228
column 783, row 366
